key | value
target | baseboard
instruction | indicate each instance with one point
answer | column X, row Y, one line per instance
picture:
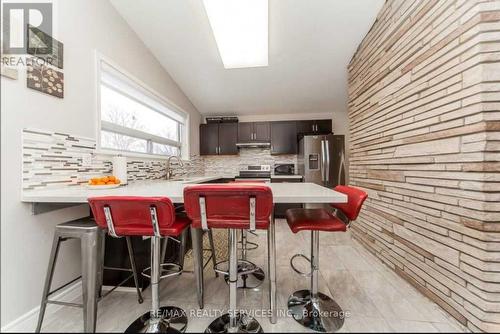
column 27, row 322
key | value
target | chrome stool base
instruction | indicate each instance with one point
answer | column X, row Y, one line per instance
column 321, row 315
column 248, row 281
column 171, row 320
column 244, row 324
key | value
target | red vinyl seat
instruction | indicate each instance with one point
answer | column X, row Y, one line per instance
column 131, row 215
column 314, row 219
column 227, row 205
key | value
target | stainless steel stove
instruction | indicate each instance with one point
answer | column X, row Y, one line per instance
column 255, row 173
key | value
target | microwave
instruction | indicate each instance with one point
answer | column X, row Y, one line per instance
column 284, row 169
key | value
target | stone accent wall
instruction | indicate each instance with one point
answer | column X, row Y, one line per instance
column 424, row 116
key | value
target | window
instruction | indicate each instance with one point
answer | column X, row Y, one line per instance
column 133, row 119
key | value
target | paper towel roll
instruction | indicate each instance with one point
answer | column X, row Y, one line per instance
column 120, row 168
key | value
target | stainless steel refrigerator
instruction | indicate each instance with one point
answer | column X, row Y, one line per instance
column 321, row 159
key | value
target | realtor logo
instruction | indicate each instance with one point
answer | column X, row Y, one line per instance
column 18, row 19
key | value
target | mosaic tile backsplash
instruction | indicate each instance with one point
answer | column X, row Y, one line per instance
column 55, row 159
column 230, row 165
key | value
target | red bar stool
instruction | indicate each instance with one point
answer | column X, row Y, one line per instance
column 154, row 217
column 234, row 207
column 311, row 308
column 257, row 277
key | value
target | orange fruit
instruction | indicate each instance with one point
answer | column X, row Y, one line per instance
column 94, row 179
column 117, row 181
column 90, row 182
column 104, row 179
column 112, row 178
column 100, row 183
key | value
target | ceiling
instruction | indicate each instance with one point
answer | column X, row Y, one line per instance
column 310, row 44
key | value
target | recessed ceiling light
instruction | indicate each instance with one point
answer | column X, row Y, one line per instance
column 241, row 31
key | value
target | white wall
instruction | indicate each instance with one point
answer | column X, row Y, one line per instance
column 83, row 26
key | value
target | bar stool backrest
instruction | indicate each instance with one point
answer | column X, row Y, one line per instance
column 355, row 199
column 239, row 206
column 129, row 215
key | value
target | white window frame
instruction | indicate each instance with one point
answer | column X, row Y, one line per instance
column 150, row 138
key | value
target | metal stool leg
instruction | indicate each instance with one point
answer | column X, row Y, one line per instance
column 90, row 245
column 212, row 248
column 252, row 280
column 234, row 322
column 197, row 239
column 134, row 269
column 164, row 245
column 313, row 309
column 182, row 248
column 101, row 263
column 48, row 279
column 168, row 319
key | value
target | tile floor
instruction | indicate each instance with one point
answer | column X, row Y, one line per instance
column 376, row 299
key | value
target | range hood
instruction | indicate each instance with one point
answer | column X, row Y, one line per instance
column 253, row 145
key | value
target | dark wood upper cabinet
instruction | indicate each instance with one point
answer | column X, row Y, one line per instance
column 245, row 132
column 262, row 131
column 323, row 126
column 284, row 137
column 209, row 139
column 228, row 136
column 218, row 138
column 221, row 138
column 250, row 132
column 305, row 127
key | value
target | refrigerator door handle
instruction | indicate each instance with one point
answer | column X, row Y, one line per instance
column 327, row 159
column 323, row 161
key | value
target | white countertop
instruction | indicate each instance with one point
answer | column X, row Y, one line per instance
column 286, row 176
column 282, row 192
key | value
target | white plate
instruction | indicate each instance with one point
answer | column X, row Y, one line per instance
column 105, row 186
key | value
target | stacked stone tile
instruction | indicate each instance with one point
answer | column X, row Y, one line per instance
column 424, row 114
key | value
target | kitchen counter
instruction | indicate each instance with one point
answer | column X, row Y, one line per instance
column 286, row 177
column 174, row 189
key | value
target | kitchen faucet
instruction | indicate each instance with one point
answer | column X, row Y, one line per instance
column 169, row 169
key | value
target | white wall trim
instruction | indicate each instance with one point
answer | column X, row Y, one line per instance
column 27, row 322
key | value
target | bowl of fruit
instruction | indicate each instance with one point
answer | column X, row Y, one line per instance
column 105, row 182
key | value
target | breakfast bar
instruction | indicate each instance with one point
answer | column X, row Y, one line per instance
column 303, row 193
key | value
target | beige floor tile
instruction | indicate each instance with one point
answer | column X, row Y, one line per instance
column 376, row 298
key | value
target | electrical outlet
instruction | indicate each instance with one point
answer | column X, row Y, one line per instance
column 87, row 160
